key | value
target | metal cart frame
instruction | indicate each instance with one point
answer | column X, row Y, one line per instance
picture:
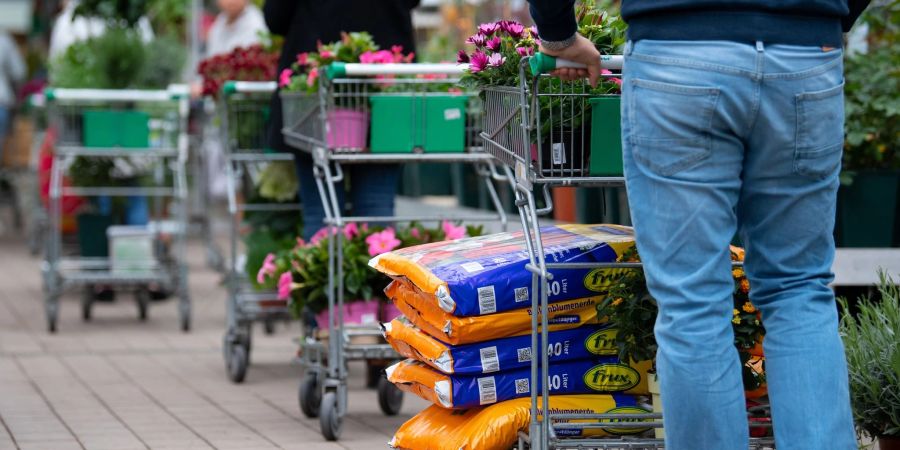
column 245, row 304
column 170, row 107
column 514, row 116
column 323, row 389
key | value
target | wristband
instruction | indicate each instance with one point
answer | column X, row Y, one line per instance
column 556, row 46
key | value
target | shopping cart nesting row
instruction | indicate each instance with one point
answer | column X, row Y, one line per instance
column 326, row 125
column 515, row 117
column 245, row 107
column 147, row 128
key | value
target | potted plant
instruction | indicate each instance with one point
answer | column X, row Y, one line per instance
column 867, row 201
column 872, row 346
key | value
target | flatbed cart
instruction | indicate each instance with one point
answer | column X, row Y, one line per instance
column 245, row 107
column 146, row 128
column 514, row 118
column 316, row 124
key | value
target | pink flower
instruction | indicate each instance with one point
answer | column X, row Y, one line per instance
column 478, row 40
column 312, row 76
column 488, row 29
column 285, row 78
column 462, row 57
column 267, row 269
column 303, row 59
column 382, row 242
column 513, row 28
column 534, row 31
column 320, row 235
column 397, row 49
column 415, row 233
column 351, row 230
column 496, row 60
column 453, row 232
column 326, row 54
column 494, row 43
column 285, row 286
column 525, row 51
column 478, row 62
column 300, row 243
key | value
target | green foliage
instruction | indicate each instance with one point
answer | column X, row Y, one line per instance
column 115, row 12
column 169, row 17
column 872, row 344
column 164, row 62
column 278, row 181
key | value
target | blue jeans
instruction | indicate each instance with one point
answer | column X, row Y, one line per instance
column 373, row 189
column 723, row 137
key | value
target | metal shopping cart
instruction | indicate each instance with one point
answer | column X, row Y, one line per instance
column 245, row 106
column 331, row 125
column 543, row 131
column 37, row 223
column 141, row 132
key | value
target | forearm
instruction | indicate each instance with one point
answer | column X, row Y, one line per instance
column 555, row 19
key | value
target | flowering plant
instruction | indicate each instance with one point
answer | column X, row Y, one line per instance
column 301, row 273
column 254, row 63
column 632, row 310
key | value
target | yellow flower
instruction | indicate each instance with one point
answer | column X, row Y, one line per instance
column 745, row 286
column 736, row 320
column 737, row 273
column 617, row 301
column 735, row 312
column 882, row 148
column 748, row 307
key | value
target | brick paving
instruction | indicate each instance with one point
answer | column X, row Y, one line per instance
column 118, row 383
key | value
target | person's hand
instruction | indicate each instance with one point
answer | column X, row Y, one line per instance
column 581, row 51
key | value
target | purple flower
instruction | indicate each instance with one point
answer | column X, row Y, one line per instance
column 462, row 57
column 525, row 51
column 478, row 62
column 488, row 29
column 478, row 40
column 496, row 60
column 513, row 28
column 494, row 44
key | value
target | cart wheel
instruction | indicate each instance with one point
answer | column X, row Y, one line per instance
column 143, row 301
column 237, row 363
column 390, row 398
column 184, row 312
column 373, row 375
column 310, row 395
column 51, row 309
column 269, row 326
column 87, row 302
column 329, row 419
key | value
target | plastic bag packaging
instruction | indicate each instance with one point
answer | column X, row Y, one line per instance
column 601, row 375
column 498, row 354
column 486, row 274
column 496, row 427
column 421, row 309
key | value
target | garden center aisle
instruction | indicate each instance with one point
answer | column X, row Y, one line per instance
column 117, row 383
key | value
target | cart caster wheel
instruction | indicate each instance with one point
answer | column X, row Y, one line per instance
column 86, row 306
column 329, row 419
column 237, row 364
column 390, row 398
column 374, row 373
column 310, row 395
column 184, row 313
column 269, row 326
column 51, row 325
column 143, row 302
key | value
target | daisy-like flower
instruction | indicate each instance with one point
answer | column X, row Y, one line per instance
column 513, row 28
column 478, row 62
column 494, row 44
column 478, row 40
column 453, row 232
column 462, row 57
column 496, row 60
column 748, row 307
column 382, row 242
column 488, row 29
column 525, row 51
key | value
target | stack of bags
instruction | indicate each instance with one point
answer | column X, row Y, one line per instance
column 467, row 336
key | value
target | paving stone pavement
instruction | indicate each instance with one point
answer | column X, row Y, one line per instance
column 117, row 383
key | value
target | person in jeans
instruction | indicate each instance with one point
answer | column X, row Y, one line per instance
column 305, row 23
column 732, row 121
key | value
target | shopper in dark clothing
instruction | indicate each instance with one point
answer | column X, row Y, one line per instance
column 304, row 23
column 732, row 121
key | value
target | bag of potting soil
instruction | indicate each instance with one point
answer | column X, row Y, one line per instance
column 486, row 274
column 496, row 427
column 498, row 354
column 421, row 309
column 600, row 375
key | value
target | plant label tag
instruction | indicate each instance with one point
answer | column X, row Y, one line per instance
column 558, row 153
column 452, row 114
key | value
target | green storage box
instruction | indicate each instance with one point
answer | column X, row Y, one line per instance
column 128, row 129
column 431, row 123
column 606, row 137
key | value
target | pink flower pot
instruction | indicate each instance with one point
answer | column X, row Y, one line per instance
column 347, row 129
column 360, row 312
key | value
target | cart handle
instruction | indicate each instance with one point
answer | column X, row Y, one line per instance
column 341, row 70
column 248, row 87
column 543, row 63
column 173, row 92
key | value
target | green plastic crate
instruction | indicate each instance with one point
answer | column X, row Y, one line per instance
column 128, row 129
column 432, row 123
column 606, row 137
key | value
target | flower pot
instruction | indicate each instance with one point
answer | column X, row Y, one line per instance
column 428, row 123
column 347, row 129
column 564, row 152
column 889, row 442
column 867, row 210
column 362, row 312
column 606, row 137
column 653, row 387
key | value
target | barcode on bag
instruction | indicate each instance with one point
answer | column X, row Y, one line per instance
column 524, row 354
column 487, row 390
column 521, row 294
column 522, row 386
column 558, row 152
column 487, row 301
column 489, row 360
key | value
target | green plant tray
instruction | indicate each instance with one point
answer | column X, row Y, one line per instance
column 407, row 123
column 606, row 137
column 108, row 129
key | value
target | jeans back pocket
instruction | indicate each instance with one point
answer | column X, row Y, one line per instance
column 670, row 124
column 820, row 132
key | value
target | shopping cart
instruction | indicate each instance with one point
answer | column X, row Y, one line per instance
column 332, row 126
column 245, row 106
column 37, row 223
column 141, row 131
column 518, row 120
column 205, row 129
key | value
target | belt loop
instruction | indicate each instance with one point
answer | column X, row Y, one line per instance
column 759, row 46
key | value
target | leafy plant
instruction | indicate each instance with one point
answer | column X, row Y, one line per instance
column 117, row 13
column 872, row 344
column 163, row 64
